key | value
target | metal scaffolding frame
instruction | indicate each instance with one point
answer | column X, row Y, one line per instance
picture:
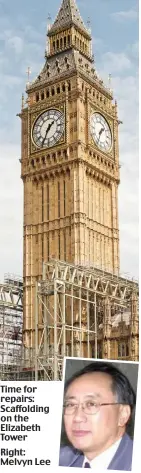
column 70, row 302
column 11, row 321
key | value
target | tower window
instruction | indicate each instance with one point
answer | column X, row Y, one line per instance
column 61, row 43
column 68, row 40
column 47, row 94
column 63, row 88
column 123, row 349
column 58, row 199
column 65, row 41
column 64, row 245
column 42, row 96
column 42, row 198
column 54, row 45
column 53, row 91
column 37, row 97
column 42, row 240
column 59, row 249
column 48, row 246
column 47, row 201
column 57, row 43
column 64, row 198
column 69, row 86
column 58, row 90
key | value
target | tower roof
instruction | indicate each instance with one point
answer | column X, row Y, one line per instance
column 68, row 15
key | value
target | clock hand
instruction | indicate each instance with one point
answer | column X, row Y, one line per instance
column 47, row 130
column 101, row 131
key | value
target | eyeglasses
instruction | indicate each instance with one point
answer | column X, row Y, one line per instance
column 88, row 407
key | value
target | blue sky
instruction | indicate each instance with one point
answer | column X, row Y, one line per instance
column 114, row 26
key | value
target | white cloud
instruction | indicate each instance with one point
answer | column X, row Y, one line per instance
column 116, row 63
column 125, row 15
column 16, row 43
column 97, row 42
column 11, row 210
column 134, row 50
column 123, row 67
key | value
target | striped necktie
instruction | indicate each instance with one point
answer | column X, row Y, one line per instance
column 87, row 465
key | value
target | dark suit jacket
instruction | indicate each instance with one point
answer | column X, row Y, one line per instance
column 122, row 459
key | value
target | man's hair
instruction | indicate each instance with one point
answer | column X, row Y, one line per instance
column 120, row 384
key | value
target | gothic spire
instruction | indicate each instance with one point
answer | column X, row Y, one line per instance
column 68, row 16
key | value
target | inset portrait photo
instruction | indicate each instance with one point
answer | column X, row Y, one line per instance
column 98, row 416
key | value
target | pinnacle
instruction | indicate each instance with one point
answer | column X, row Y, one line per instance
column 68, row 15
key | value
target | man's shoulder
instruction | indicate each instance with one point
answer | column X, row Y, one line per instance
column 122, row 459
column 68, row 455
column 127, row 440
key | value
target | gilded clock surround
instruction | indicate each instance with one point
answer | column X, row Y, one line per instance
column 101, row 132
column 34, row 117
column 48, row 128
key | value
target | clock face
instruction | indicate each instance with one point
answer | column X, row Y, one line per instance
column 100, row 132
column 48, row 128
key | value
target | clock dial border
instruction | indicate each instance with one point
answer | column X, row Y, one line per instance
column 109, row 130
column 34, row 118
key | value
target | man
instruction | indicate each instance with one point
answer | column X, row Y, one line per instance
column 97, row 407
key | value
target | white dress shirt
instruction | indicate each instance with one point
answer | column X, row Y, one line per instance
column 103, row 460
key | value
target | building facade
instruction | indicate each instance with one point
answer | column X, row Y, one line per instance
column 69, row 163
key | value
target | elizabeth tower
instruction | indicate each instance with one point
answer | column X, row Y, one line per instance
column 70, row 161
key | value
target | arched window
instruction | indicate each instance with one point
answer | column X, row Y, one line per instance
column 65, row 41
column 57, row 43
column 69, row 86
column 61, row 43
column 68, row 40
column 42, row 96
column 37, row 97
column 53, row 91
column 63, row 88
column 54, row 45
column 58, row 90
column 47, row 94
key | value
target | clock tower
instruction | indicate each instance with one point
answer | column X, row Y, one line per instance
column 70, row 161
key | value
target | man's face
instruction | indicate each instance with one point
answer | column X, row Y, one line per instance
column 94, row 433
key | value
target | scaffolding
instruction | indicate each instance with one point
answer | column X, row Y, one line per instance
column 11, row 320
column 72, row 303
column 75, row 306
